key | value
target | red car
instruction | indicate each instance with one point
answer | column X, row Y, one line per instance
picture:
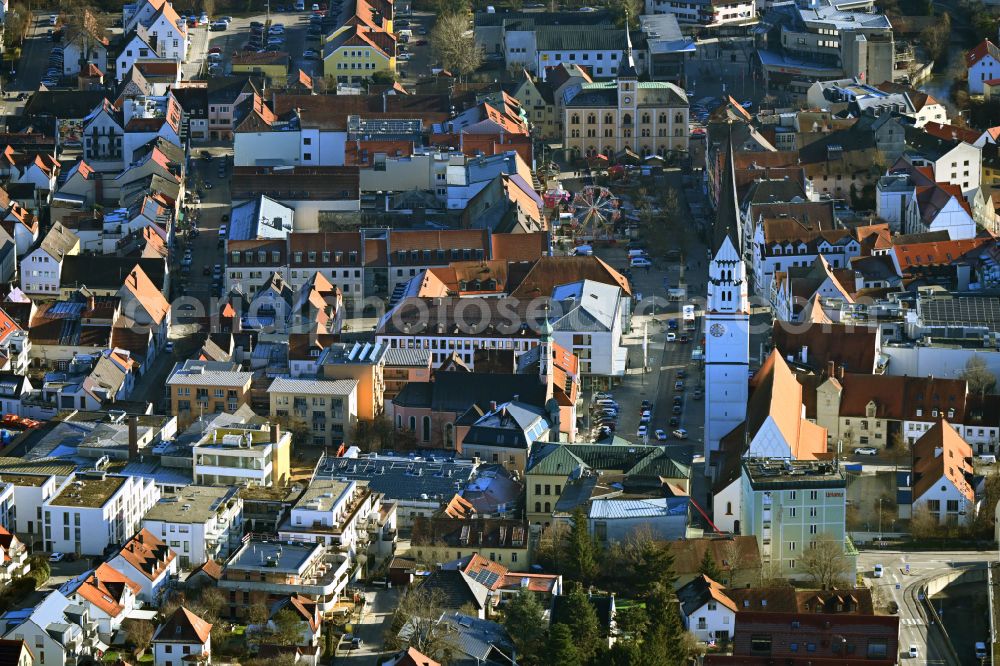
column 215, row 49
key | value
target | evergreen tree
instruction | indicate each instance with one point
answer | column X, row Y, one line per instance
column 561, row 648
column 665, row 631
column 656, row 566
column 524, row 620
column 580, row 618
column 581, row 550
column 709, row 567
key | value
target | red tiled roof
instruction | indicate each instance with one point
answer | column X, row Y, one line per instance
column 148, row 554
column 935, row 254
column 105, row 588
column 983, row 49
column 950, row 132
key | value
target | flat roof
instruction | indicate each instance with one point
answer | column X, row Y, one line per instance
column 402, row 478
column 36, row 480
column 771, row 473
column 193, row 504
column 323, row 494
column 280, row 556
column 88, row 492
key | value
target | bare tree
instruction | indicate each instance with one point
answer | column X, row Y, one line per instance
column 417, row 624
column 453, row 42
column 923, row 523
column 770, row 575
column 140, row 634
column 824, row 561
column 15, row 25
column 978, row 376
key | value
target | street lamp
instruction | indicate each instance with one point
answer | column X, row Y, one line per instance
column 879, row 522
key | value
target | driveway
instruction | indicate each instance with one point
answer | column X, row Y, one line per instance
column 381, row 604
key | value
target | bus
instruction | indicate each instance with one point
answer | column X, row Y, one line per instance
column 689, row 318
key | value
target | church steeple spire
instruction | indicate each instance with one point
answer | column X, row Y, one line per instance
column 627, row 68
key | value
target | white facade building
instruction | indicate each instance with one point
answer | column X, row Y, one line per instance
column 199, row 523
column 94, row 510
column 148, row 561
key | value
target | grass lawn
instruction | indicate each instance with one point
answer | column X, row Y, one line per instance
column 240, row 629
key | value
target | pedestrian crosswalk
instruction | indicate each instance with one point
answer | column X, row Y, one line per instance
column 911, row 621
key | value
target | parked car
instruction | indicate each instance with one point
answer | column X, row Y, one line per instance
column 698, row 393
column 680, row 433
column 641, row 432
column 640, row 262
column 866, row 451
column 222, row 231
column 661, row 436
column 679, row 385
column 56, row 557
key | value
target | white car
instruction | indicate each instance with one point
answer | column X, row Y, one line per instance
column 680, row 433
column 661, row 436
column 56, row 557
column 914, row 652
column 222, row 231
column 671, row 337
column 311, row 54
column 878, row 571
column 640, row 262
column 53, row 19
column 641, row 432
column 866, row 451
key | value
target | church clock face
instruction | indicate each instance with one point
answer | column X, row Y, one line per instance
column 717, row 330
column 627, row 99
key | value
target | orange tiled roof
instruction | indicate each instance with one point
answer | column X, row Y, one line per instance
column 140, row 286
column 952, row 462
column 183, row 627
column 936, row 253
column 148, row 554
column 105, row 588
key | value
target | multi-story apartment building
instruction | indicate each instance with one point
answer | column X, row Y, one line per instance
column 198, row 387
column 30, row 493
column 94, row 510
column 346, row 515
column 328, row 407
column 403, row 366
column 199, row 523
column 790, row 504
column 263, row 571
column 364, row 365
column 149, row 561
column 243, row 454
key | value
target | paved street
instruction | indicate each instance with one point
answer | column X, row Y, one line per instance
column 381, row 604
column 902, row 586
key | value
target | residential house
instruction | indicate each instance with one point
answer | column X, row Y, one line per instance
column 41, row 268
column 354, row 53
column 363, row 363
column 306, row 612
column 30, row 493
column 16, row 653
column 198, row 523
column 330, row 406
column 403, row 366
column 272, row 65
column 94, row 510
column 55, row 629
column 614, row 520
column 951, row 160
column 709, row 14
column 149, row 562
column 940, row 207
column 793, row 289
column 737, row 557
column 942, row 475
column 706, row 610
column 443, row 539
column 183, row 638
column 108, row 595
column 982, row 64
column 139, row 45
column 13, row 555
column 85, row 43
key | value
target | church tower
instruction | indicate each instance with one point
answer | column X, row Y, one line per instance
column 628, row 94
column 727, row 321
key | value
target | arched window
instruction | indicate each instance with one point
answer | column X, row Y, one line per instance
column 538, row 507
column 399, row 422
column 729, row 508
column 609, row 119
column 645, row 118
column 663, row 118
column 548, row 507
column 427, row 429
column 627, row 119
column 679, row 118
column 574, row 119
column 413, row 423
column 591, row 119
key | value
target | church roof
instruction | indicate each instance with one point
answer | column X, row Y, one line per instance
column 727, row 215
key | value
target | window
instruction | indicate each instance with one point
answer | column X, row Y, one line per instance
column 760, row 644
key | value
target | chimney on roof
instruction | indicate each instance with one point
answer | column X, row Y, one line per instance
column 805, row 354
column 831, row 368
column 275, row 432
column 133, row 437
column 840, row 372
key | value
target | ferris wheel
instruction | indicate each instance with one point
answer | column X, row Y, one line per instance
column 595, row 211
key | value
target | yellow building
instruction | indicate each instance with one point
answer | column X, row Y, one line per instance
column 273, row 65
column 645, row 117
column 443, row 539
column 583, row 469
column 248, row 454
column 201, row 388
column 353, row 53
column 363, row 363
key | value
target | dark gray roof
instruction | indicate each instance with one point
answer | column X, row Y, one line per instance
column 398, row 356
column 457, row 391
column 109, row 272
column 573, row 38
column 483, row 641
column 727, row 215
column 402, row 478
column 590, row 19
column 456, row 589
